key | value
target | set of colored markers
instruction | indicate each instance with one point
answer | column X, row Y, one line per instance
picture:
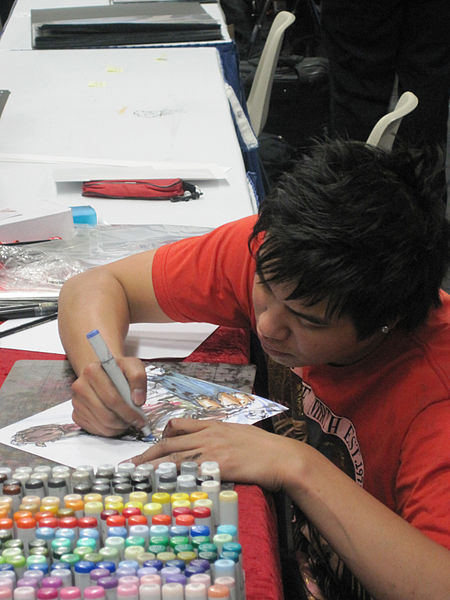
column 136, row 533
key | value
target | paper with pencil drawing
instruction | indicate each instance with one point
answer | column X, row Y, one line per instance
column 53, row 435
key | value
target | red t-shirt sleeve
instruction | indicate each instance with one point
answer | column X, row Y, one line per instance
column 423, row 478
column 208, row 278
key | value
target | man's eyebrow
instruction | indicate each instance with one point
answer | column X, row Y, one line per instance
column 310, row 318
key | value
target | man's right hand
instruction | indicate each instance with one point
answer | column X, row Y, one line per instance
column 98, row 406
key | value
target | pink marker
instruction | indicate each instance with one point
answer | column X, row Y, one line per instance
column 5, row 593
column 47, row 594
column 94, row 592
column 153, row 578
column 127, row 591
column 129, row 579
column 71, row 592
column 7, row 582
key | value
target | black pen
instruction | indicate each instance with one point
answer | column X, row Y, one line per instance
column 28, row 325
column 38, row 310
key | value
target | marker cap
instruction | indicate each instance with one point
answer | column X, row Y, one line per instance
column 87, row 522
column 84, row 566
column 218, row 591
column 202, row 563
column 172, row 591
column 195, row 591
column 127, row 590
column 161, row 519
column 93, row 592
column 150, row 591
column 152, row 508
column 71, row 592
column 25, row 592
column 109, row 582
column 200, row 530
column 52, row 581
column 47, row 594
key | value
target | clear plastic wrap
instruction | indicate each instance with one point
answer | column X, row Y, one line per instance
column 44, row 266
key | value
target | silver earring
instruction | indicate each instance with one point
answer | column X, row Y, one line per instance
column 385, row 329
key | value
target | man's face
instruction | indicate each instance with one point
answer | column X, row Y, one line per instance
column 297, row 335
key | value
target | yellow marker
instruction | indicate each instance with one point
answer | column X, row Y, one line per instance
column 198, row 496
column 141, row 497
column 179, row 496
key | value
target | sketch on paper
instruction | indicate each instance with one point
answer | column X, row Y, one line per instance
column 169, row 394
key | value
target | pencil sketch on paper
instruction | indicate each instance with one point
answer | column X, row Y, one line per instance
column 169, row 395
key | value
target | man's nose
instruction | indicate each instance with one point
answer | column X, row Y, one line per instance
column 272, row 324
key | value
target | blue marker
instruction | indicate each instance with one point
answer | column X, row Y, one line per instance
column 115, row 373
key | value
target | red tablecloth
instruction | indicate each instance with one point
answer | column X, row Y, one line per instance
column 257, row 523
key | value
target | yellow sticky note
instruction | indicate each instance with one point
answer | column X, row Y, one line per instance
column 97, row 84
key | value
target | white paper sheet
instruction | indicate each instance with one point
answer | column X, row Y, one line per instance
column 144, row 340
column 76, row 450
column 53, row 435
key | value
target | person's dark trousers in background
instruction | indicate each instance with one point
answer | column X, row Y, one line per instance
column 368, row 43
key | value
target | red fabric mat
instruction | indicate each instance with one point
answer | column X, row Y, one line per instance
column 257, row 524
column 259, row 537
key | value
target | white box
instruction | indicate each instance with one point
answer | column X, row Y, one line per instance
column 28, row 207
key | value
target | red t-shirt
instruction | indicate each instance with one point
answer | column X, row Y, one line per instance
column 390, row 412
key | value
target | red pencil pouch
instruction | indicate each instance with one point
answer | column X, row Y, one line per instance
column 175, row 190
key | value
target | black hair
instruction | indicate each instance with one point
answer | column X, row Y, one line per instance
column 361, row 228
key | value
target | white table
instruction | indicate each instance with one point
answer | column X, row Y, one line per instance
column 128, row 108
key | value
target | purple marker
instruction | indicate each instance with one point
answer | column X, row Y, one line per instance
column 146, row 571
column 64, row 574
column 95, row 575
column 107, row 564
column 125, row 572
column 52, row 582
column 176, row 578
column 109, row 584
column 27, row 582
column 166, row 571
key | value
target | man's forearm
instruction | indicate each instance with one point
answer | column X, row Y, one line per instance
column 93, row 300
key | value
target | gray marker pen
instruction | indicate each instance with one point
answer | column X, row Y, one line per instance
column 115, row 373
